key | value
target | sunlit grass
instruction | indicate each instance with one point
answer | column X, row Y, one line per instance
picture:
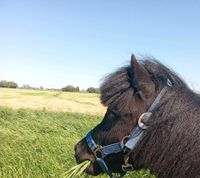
column 38, row 143
column 51, row 101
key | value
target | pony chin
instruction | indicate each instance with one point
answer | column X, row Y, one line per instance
column 93, row 169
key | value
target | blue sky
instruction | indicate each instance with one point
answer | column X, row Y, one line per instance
column 56, row 43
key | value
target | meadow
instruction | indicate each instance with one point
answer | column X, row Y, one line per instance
column 85, row 103
column 38, row 131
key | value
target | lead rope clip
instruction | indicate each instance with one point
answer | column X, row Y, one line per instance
column 127, row 166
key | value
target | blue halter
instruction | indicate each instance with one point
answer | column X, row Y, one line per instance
column 100, row 152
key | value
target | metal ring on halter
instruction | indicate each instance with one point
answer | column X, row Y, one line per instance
column 144, row 117
column 97, row 152
column 124, row 139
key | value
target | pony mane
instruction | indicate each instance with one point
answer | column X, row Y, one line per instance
column 118, row 90
column 159, row 73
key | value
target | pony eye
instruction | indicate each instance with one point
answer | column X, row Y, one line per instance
column 112, row 115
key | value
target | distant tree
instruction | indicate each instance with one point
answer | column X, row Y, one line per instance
column 41, row 88
column 71, row 88
column 77, row 89
column 26, row 86
column 8, row 84
column 92, row 90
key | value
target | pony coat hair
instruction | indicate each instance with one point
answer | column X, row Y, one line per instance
column 170, row 148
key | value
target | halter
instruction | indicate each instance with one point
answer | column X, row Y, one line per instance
column 100, row 152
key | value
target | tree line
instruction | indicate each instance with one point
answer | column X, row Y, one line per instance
column 8, row 84
column 68, row 88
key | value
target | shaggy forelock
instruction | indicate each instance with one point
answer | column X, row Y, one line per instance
column 116, row 89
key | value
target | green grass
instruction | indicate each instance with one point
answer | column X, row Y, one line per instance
column 39, row 144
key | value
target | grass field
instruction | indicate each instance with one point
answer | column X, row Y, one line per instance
column 51, row 101
column 38, row 142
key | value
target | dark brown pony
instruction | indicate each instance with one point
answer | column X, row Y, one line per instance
column 170, row 147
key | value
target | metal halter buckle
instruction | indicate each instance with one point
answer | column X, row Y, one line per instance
column 98, row 152
column 124, row 139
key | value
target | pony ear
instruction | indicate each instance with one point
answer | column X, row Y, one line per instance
column 141, row 78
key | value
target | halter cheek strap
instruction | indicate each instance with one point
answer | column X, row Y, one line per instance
column 100, row 152
column 138, row 131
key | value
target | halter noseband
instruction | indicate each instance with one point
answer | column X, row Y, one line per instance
column 100, row 152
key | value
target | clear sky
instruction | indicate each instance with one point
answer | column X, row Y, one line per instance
column 54, row 43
